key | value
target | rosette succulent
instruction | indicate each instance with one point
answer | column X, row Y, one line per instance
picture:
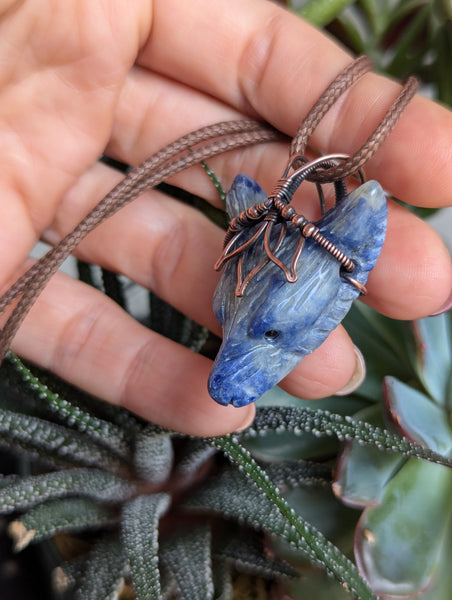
column 403, row 537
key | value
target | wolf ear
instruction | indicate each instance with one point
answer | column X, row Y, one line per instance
column 244, row 192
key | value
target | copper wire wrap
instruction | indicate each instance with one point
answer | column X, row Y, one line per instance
column 278, row 210
column 311, row 231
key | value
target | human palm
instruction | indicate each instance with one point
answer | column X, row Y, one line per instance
column 82, row 77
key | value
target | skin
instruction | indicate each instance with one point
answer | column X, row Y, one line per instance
column 83, row 76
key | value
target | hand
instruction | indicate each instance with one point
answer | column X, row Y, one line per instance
column 81, row 77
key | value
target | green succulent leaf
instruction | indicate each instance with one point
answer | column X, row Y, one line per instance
column 441, row 582
column 263, row 507
column 247, row 554
column 363, row 471
column 187, row 556
column 154, row 456
column 216, row 182
column 103, row 578
column 362, row 474
column 100, row 430
column 88, row 483
column 400, row 541
column 345, row 428
column 140, row 537
column 433, row 358
column 56, row 516
column 321, row 12
column 45, row 438
column 294, row 473
column 418, row 416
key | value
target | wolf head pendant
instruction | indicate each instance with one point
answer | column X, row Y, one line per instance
column 287, row 282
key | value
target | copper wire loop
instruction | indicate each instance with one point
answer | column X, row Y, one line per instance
column 283, row 212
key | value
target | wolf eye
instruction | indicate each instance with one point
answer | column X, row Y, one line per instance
column 271, row 335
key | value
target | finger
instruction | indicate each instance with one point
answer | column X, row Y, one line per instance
column 135, row 138
column 162, row 244
column 413, row 275
column 171, row 248
column 82, row 336
column 56, row 104
column 277, row 66
column 326, row 371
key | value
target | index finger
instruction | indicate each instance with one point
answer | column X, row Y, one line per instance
column 264, row 61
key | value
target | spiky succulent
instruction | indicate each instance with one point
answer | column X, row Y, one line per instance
column 403, row 537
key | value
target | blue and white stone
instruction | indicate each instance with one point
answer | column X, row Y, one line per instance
column 303, row 313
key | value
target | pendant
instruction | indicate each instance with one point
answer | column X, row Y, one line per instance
column 288, row 282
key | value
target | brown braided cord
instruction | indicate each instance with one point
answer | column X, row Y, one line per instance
column 34, row 280
column 350, row 75
column 369, row 148
column 181, row 154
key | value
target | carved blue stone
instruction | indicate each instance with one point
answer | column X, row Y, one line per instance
column 269, row 330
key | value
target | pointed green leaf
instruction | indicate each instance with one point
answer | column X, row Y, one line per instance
column 321, row 12
column 363, row 471
column 433, row 361
column 104, row 575
column 362, row 474
column 235, row 497
column 100, row 430
column 154, row 455
column 47, row 438
column 293, row 473
column 418, row 417
column 140, row 537
column 88, row 483
column 187, row 556
column 345, row 428
column 57, row 516
column 216, row 182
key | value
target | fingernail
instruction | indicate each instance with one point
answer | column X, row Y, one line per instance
column 248, row 419
column 445, row 307
column 358, row 375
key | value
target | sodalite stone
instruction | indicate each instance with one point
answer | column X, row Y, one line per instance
column 303, row 313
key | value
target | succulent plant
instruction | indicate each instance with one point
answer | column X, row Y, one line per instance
column 403, row 537
column 168, row 516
